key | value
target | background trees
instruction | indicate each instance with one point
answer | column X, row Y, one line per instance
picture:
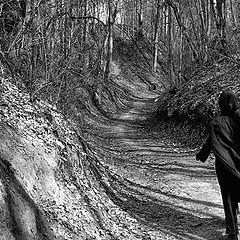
column 55, row 46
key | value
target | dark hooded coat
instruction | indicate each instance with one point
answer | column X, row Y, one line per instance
column 224, row 141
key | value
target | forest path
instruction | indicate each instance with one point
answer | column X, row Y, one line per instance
column 161, row 185
column 169, row 193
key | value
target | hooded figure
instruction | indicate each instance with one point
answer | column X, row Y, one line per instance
column 224, row 141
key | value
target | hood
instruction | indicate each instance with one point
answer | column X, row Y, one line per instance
column 228, row 103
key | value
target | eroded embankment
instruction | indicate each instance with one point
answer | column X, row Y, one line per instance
column 43, row 183
column 50, row 178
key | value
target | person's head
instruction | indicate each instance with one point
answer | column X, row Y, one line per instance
column 228, row 103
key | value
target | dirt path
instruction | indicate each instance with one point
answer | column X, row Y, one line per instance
column 163, row 187
column 169, row 193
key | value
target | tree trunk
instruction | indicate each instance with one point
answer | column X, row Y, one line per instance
column 181, row 25
column 33, row 52
column 233, row 14
column 85, row 23
column 220, row 7
column 209, row 20
column 109, row 51
column 140, row 20
column 155, row 40
column 170, row 55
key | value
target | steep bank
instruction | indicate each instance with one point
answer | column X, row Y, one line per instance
column 49, row 188
column 189, row 108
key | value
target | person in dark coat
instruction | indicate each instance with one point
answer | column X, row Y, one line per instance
column 224, row 142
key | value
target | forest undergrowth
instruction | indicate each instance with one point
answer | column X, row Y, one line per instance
column 190, row 108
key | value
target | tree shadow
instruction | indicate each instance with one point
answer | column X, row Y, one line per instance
column 131, row 186
column 195, row 171
column 200, row 171
column 162, row 216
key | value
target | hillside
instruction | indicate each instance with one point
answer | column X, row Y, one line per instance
column 48, row 179
column 121, row 175
column 190, row 108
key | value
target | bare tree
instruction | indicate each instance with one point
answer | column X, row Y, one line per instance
column 156, row 35
column 112, row 13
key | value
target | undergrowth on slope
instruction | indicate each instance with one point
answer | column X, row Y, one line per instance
column 187, row 111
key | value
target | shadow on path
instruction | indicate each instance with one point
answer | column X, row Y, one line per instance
column 159, row 215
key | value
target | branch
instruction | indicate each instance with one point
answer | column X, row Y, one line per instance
column 181, row 25
column 88, row 17
column 174, row 7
